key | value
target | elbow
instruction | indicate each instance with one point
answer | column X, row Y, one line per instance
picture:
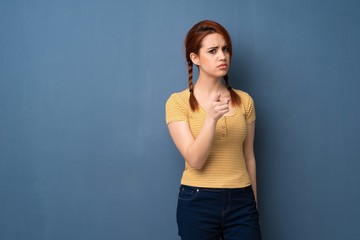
column 196, row 164
column 195, row 159
column 249, row 157
column 250, row 161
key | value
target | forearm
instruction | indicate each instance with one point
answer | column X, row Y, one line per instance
column 198, row 152
column 251, row 168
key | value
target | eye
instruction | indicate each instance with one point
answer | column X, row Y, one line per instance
column 212, row 51
column 225, row 49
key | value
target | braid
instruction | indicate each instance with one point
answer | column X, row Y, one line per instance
column 226, row 78
column 235, row 98
column 190, row 76
column 192, row 100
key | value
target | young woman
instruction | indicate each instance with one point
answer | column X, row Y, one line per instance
column 213, row 125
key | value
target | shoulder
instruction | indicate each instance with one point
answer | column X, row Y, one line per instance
column 177, row 107
column 179, row 97
column 182, row 94
column 248, row 106
column 244, row 96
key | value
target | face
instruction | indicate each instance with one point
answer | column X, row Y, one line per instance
column 213, row 58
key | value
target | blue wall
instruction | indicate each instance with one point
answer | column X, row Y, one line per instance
column 307, row 90
column 84, row 150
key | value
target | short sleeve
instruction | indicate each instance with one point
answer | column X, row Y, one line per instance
column 249, row 109
column 175, row 110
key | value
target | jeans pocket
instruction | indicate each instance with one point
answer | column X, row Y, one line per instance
column 187, row 193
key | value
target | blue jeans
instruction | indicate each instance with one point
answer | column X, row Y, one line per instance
column 215, row 213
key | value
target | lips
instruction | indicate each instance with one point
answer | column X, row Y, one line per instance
column 222, row 66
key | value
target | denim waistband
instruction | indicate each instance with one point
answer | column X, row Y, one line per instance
column 216, row 189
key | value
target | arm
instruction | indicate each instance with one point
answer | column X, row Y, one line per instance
column 249, row 156
column 196, row 150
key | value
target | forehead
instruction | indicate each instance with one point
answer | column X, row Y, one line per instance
column 213, row 40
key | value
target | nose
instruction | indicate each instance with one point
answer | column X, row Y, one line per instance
column 222, row 55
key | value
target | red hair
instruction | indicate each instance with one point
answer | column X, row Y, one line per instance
column 193, row 42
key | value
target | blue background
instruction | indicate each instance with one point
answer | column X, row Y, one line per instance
column 84, row 149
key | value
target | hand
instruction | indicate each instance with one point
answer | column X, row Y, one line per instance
column 218, row 107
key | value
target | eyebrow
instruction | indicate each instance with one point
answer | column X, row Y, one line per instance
column 216, row 47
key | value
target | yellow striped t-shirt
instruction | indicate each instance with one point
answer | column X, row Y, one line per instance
column 225, row 166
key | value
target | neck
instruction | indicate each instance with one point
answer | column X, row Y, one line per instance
column 209, row 85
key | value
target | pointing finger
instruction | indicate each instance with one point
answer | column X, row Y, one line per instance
column 217, row 97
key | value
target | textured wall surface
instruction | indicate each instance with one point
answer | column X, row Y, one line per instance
column 84, row 149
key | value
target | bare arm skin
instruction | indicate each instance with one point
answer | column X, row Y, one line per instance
column 248, row 147
column 196, row 150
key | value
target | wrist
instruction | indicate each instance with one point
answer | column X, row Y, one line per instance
column 210, row 120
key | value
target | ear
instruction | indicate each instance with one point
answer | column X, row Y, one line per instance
column 194, row 58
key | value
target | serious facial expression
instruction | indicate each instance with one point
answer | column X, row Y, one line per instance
column 213, row 58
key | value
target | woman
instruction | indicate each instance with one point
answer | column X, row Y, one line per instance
column 213, row 125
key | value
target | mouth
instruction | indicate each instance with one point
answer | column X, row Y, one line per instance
column 222, row 66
